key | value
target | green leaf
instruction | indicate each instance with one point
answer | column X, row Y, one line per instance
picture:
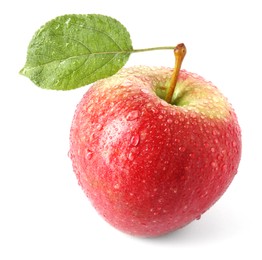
column 75, row 50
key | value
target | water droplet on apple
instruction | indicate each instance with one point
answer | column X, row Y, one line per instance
column 132, row 115
column 191, row 155
column 207, row 131
column 177, row 140
column 89, row 154
column 181, row 148
column 163, row 103
column 127, row 83
column 169, row 121
column 214, row 164
column 216, row 141
column 185, row 208
column 116, row 186
column 99, row 127
column 175, row 190
column 145, row 90
column 131, row 156
column 135, row 140
column 195, row 76
column 219, row 157
column 198, row 217
column 193, row 115
column 154, row 110
column 212, row 149
column 224, row 167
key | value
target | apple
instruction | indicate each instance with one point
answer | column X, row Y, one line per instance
column 153, row 148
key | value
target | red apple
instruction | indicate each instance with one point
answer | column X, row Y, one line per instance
column 151, row 166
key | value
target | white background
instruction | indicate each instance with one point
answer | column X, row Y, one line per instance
column 44, row 213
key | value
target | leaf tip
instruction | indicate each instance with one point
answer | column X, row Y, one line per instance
column 22, row 71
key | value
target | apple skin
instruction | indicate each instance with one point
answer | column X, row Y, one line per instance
column 147, row 166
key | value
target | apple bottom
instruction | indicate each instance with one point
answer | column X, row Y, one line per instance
column 153, row 209
column 158, row 189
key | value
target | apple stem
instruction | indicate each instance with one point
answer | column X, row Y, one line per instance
column 153, row 49
column 180, row 53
